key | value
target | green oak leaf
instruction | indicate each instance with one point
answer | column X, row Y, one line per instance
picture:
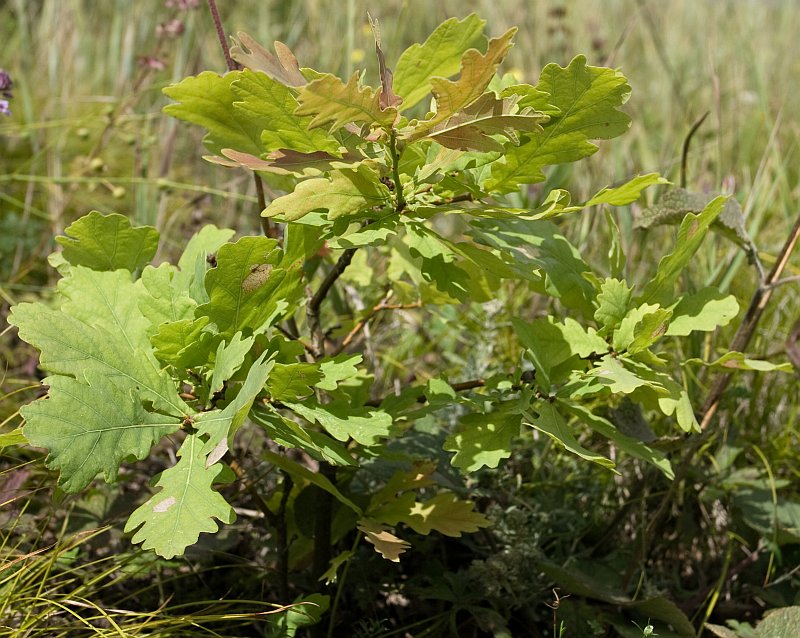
column 705, row 311
column 690, row 235
column 206, row 100
column 290, row 434
column 547, row 419
column 290, row 382
column 483, row 439
column 219, row 427
column 242, row 288
column 364, row 425
column 649, row 330
column 331, row 101
column 446, row 514
column 183, row 344
column 616, row 376
column 228, row 359
column 99, row 329
column 167, row 300
column 184, row 507
column 193, row 263
column 733, row 361
column 625, row 443
column 346, row 193
column 108, row 242
column 588, row 98
column 260, row 98
column 626, row 330
column 440, row 56
column 626, row 193
column 90, row 426
column 339, row 368
column 612, row 303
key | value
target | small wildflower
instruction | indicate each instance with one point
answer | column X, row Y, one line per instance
column 171, row 29
column 5, row 91
column 153, row 63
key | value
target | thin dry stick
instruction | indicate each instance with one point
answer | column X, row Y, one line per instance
column 312, row 312
column 380, row 306
column 740, row 341
column 753, row 315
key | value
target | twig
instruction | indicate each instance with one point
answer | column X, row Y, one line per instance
column 753, row 315
column 740, row 341
column 380, row 306
column 312, row 312
column 232, row 66
column 685, row 151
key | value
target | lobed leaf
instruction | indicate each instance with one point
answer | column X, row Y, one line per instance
column 206, row 100
column 282, row 67
column 331, row 101
column 242, row 289
column 548, row 420
column 588, row 98
column 440, row 55
column 90, row 425
column 692, row 231
column 262, row 99
column 108, row 242
column 184, row 507
column 346, row 193
column 477, row 70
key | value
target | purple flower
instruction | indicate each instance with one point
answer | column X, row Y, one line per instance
column 4, row 110
column 5, row 81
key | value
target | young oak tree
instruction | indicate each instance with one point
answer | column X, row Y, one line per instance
column 228, row 338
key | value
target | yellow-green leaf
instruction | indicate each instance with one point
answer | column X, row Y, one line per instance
column 440, row 55
column 346, row 193
column 477, row 70
column 331, row 101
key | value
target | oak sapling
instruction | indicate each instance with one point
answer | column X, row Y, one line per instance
column 229, row 338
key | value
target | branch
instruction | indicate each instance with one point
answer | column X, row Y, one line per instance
column 380, row 306
column 463, row 386
column 232, row 66
column 748, row 326
column 312, row 312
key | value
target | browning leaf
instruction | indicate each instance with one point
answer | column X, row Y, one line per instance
column 283, row 68
column 477, row 70
column 387, row 95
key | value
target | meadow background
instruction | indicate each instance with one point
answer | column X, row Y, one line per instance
column 87, row 132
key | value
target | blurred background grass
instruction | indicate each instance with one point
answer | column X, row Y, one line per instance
column 87, row 130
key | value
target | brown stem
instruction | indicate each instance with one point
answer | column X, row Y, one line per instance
column 380, row 306
column 740, row 341
column 312, row 312
column 232, row 66
column 748, row 326
column 283, row 539
column 686, row 142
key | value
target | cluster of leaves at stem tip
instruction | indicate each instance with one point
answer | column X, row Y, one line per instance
column 136, row 352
